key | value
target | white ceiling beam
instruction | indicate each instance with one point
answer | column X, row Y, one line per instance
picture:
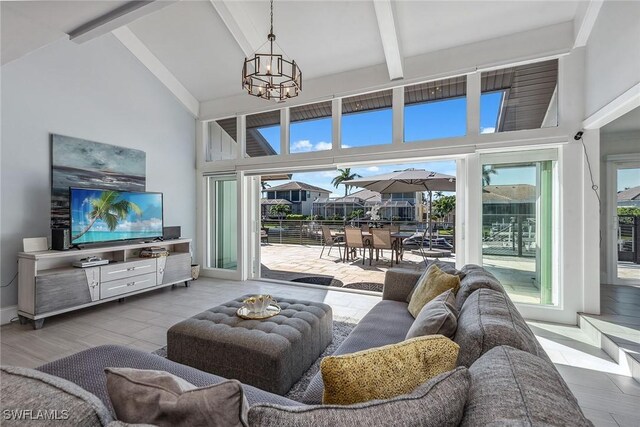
column 389, row 36
column 585, row 20
column 240, row 26
column 157, row 68
column 118, row 17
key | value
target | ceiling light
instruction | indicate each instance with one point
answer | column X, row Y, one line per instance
column 271, row 75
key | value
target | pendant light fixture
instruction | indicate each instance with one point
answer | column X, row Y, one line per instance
column 271, row 75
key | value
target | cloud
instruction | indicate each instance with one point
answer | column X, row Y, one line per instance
column 323, row 146
column 488, row 130
column 373, row 169
column 301, row 146
column 305, row 146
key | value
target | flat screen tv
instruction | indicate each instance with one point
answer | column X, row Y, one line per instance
column 100, row 215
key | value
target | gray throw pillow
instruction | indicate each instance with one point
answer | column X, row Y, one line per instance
column 438, row 316
column 447, row 268
column 62, row 401
column 438, row 402
column 163, row 399
column 516, row 388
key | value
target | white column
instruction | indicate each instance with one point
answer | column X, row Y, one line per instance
column 284, row 131
column 591, row 211
column 473, row 103
column 398, row 115
column 241, row 123
column 336, row 119
column 473, row 210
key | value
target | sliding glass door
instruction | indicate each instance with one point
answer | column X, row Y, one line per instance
column 518, row 227
column 222, row 222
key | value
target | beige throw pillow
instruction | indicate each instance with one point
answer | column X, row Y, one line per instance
column 386, row 372
column 430, row 285
column 163, row 399
column 438, row 316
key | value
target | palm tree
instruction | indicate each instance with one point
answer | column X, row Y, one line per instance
column 344, row 175
column 487, row 171
column 110, row 210
column 280, row 210
column 264, row 185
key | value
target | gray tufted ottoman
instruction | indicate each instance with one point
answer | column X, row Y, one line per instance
column 271, row 354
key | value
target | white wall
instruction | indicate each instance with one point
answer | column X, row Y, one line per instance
column 613, row 54
column 96, row 91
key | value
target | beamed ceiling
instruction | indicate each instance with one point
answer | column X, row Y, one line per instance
column 202, row 43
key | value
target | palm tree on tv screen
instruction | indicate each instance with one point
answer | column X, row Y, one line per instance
column 110, row 209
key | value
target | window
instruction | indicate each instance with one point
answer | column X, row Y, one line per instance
column 263, row 134
column 222, row 214
column 295, row 196
column 435, row 110
column 222, row 140
column 310, row 128
column 517, row 228
column 519, row 98
column 367, row 119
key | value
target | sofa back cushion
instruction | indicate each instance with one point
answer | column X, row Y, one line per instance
column 489, row 319
column 438, row 402
column 45, row 395
column 513, row 387
column 439, row 316
column 475, row 277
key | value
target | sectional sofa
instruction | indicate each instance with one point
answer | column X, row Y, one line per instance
column 506, row 377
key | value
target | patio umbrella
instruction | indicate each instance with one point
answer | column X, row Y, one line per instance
column 406, row 181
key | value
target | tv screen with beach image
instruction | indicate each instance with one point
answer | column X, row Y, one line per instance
column 108, row 215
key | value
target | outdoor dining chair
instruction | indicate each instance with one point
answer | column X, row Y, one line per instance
column 354, row 240
column 381, row 241
column 329, row 240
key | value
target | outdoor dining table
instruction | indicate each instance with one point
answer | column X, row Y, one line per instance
column 397, row 237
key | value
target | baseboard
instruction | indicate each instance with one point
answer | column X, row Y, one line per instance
column 8, row 313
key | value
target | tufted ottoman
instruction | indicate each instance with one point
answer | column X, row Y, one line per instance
column 271, row 354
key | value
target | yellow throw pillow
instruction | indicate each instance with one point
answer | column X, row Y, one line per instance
column 388, row 371
column 431, row 284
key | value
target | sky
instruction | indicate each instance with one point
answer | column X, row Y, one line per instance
column 628, row 178
column 433, row 120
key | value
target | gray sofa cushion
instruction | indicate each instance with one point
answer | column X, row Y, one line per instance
column 386, row 323
column 512, row 387
column 438, row 316
column 163, row 399
column 489, row 319
column 65, row 402
column 86, row 369
column 475, row 278
column 438, row 402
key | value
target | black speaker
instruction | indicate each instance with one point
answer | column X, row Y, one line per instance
column 170, row 233
column 60, row 239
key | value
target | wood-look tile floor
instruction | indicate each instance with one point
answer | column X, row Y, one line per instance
column 141, row 321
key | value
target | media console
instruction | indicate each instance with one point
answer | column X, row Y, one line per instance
column 48, row 284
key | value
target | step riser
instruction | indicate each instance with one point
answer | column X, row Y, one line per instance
column 630, row 366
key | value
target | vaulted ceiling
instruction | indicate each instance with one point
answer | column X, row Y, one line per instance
column 203, row 43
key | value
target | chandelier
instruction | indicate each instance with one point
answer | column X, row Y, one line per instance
column 271, row 75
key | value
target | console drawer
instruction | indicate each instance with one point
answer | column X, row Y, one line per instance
column 126, row 285
column 122, row 270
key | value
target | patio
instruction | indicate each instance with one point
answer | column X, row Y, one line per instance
column 291, row 262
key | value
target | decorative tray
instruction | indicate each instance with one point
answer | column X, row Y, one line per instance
column 272, row 310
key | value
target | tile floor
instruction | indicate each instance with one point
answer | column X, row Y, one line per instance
column 607, row 396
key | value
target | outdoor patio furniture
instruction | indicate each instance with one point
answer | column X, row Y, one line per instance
column 331, row 241
column 393, row 228
column 271, row 354
column 382, row 240
column 354, row 240
column 264, row 234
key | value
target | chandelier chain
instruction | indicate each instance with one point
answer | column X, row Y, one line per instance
column 271, row 32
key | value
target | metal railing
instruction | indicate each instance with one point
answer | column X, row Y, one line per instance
column 309, row 232
column 628, row 238
column 509, row 235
